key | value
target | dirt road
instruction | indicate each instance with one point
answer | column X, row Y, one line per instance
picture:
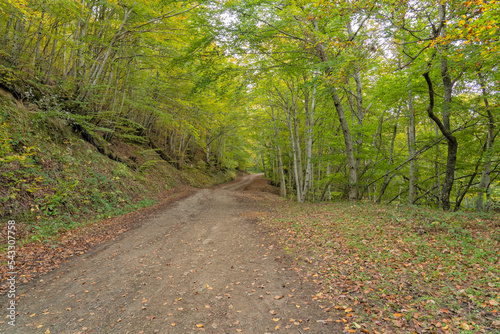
column 201, row 265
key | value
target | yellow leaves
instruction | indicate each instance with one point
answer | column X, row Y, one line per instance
column 200, row 325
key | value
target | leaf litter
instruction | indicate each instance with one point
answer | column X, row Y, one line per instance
column 383, row 270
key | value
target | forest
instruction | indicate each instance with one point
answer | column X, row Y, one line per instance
column 308, row 165
column 384, row 101
column 387, row 101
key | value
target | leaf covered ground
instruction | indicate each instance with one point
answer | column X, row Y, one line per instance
column 39, row 257
column 388, row 269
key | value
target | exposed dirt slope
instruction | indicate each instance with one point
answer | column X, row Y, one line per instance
column 201, row 265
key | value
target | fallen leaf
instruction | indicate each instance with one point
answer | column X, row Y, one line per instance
column 200, row 325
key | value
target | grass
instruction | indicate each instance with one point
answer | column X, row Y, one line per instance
column 399, row 270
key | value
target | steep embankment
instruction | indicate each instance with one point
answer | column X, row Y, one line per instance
column 56, row 174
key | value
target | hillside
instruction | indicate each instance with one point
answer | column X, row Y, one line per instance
column 55, row 176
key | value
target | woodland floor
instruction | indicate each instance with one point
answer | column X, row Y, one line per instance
column 199, row 262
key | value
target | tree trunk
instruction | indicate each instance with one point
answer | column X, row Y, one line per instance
column 388, row 178
column 351, row 160
column 444, row 127
column 451, row 140
column 278, row 152
column 411, row 147
column 296, row 156
column 349, row 147
column 309, row 123
column 490, row 139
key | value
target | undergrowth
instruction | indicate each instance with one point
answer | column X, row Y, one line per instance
column 397, row 270
column 51, row 180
